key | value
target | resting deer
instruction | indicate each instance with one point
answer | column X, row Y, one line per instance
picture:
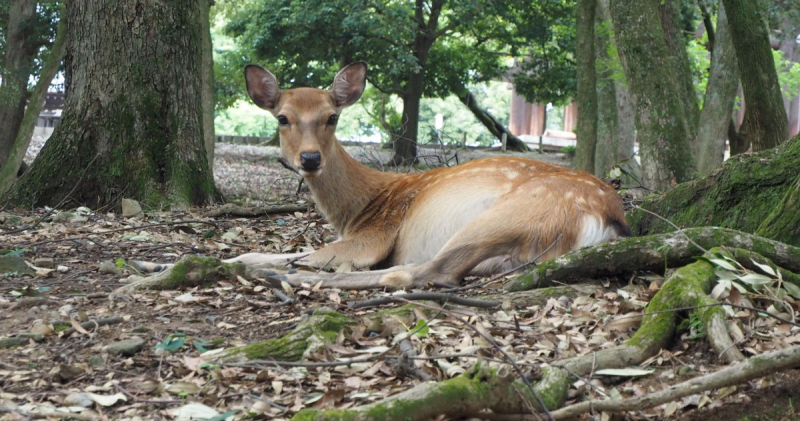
column 477, row 218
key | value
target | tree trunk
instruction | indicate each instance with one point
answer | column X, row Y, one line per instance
column 495, row 127
column 765, row 122
column 670, row 14
column 132, row 124
column 662, row 133
column 756, row 193
column 720, row 95
column 18, row 65
column 587, row 86
column 14, row 162
column 208, row 91
column 405, row 144
column 615, row 119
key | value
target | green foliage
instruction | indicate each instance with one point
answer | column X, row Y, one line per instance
column 305, row 42
column 788, row 75
column 172, row 342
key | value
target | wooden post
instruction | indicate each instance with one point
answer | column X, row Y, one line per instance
column 504, row 140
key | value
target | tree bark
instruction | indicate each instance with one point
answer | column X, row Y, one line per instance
column 587, row 86
column 18, row 65
column 756, row 193
column 720, row 95
column 670, row 14
column 495, row 127
column 663, row 138
column 616, row 117
column 132, row 124
column 765, row 122
column 208, row 92
column 14, row 161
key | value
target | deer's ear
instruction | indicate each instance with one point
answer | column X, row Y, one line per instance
column 262, row 86
column 349, row 84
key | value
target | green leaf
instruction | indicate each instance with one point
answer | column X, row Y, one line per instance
column 423, row 327
column 792, row 289
column 624, row 372
column 722, row 263
column 766, row 268
column 755, row 279
column 172, row 342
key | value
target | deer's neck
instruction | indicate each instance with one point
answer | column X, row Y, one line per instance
column 345, row 188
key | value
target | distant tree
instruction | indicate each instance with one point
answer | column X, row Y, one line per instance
column 26, row 26
column 587, row 86
column 765, row 122
column 132, row 124
column 660, row 118
column 431, row 48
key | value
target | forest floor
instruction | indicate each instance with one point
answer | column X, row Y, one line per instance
column 62, row 366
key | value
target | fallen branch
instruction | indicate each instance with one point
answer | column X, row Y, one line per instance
column 92, row 324
column 441, row 298
column 752, row 368
column 236, row 210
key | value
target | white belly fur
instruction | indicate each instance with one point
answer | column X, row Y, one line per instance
column 429, row 226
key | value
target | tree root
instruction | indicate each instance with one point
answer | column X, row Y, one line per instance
column 484, row 389
column 188, row 272
column 651, row 253
column 319, row 329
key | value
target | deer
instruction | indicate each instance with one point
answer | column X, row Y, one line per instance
column 410, row 230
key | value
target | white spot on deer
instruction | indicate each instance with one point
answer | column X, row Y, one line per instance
column 511, row 174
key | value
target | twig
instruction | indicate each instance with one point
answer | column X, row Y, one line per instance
column 93, row 324
column 289, row 166
column 438, row 297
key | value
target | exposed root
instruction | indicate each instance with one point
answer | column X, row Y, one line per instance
column 651, row 253
column 188, row 272
column 236, row 210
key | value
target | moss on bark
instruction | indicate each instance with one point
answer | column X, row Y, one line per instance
column 756, row 193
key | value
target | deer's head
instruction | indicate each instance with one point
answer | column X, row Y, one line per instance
column 307, row 117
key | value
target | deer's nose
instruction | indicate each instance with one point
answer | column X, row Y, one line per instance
column 310, row 161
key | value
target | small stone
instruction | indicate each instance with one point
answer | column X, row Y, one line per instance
column 97, row 361
column 329, row 239
column 128, row 347
column 65, row 373
column 14, row 264
column 109, row 267
column 45, row 262
column 62, row 216
column 131, row 209
column 140, row 329
column 79, row 399
column 62, row 268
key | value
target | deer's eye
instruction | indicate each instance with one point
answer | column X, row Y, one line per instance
column 333, row 119
column 282, row 120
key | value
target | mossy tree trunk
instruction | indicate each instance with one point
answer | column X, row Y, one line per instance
column 662, row 131
column 671, row 24
column 615, row 113
column 587, row 86
column 208, row 92
column 16, row 67
column 765, row 122
column 757, row 193
column 720, row 95
column 133, row 120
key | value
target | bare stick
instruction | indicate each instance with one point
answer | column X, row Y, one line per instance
column 438, row 297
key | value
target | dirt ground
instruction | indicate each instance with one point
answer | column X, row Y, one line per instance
column 60, row 369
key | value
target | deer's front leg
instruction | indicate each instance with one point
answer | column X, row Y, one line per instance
column 361, row 252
